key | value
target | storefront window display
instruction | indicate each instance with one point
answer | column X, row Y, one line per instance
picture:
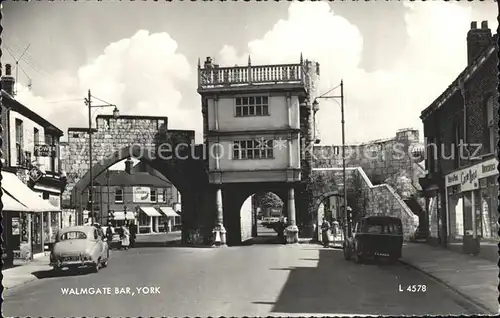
column 487, row 209
column 455, row 217
column 37, row 233
column 467, row 200
column 46, row 227
column 24, row 246
column 54, row 224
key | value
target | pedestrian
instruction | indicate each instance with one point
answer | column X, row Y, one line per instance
column 125, row 237
column 109, row 234
column 133, row 233
column 335, row 229
column 165, row 226
column 325, row 232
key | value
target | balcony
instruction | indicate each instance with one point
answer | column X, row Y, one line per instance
column 215, row 78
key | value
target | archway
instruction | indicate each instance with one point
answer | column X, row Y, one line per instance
column 329, row 206
column 187, row 175
column 260, row 216
column 234, row 196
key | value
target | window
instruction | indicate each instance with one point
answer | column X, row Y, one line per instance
column 118, row 195
column 253, row 149
column 490, row 131
column 153, row 195
column 168, row 195
column 252, row 106
column 19, row 142
column 73, row 235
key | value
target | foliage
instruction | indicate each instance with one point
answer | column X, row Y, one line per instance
column 270, row 200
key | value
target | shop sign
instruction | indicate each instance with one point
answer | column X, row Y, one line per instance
column 488, row 168
column 15, row 226
column 453, row 179
column 141, row 194
column 43, row 150
column 35, row 174
column 55, row 200
column 469, row 179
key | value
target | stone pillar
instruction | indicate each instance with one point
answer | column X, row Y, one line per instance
column 219, row 230
column 292, row 231
column 151, row 224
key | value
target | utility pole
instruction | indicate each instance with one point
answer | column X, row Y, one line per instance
column 107, row 180
column 91, row 191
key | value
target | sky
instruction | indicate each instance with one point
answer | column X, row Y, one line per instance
column 395, row 58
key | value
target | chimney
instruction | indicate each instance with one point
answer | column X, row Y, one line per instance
column 128, row 166
column 8, row 81
column 477, row 40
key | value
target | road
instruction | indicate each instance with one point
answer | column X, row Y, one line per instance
column 255, row 280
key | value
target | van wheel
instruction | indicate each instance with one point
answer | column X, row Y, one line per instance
column 347, row 252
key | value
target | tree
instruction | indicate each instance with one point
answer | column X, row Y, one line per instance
column 270, row 200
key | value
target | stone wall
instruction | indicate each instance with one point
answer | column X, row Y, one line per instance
column 110, row 136
column 363, row 197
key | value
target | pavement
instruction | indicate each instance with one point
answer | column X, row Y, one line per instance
column 255, row 280
column 472, row 277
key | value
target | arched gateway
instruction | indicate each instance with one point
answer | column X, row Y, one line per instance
column 171, row 152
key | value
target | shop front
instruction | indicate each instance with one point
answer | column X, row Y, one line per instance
column 472, row 201
column 149, row 219
column 171, row 218
column 35, row 224
column 13, row 232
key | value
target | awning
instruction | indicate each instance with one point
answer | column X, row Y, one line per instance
column 168, row 211
column 120, row 215
column 22, row 193
column 10, row 204
column 149, row 210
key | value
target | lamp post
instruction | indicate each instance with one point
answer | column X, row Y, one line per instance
column 315, row 106
column 116, row 114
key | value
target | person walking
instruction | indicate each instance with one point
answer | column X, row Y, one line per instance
column 325, row 233
column 335, row 230
column 133, row 233
column 109, row 235
column 125, row 237
column 165, row 226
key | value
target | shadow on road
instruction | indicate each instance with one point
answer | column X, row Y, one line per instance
column 60, row 273
column 317, row 289
column 264, row 240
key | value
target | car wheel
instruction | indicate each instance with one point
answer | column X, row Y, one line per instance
column 95, row 267
column 105, row 263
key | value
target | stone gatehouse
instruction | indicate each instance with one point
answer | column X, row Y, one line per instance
column 382, row 177
column 172, row 152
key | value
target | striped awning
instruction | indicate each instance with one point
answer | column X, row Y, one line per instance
column 149, row 210
column 10, row 204
column 22, row 193
column 168, row 211
column 120, row 215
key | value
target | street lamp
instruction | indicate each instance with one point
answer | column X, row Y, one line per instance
column 316, row 107
column 116, row 114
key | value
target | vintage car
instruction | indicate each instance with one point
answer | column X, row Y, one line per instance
column 78, row 246
column 374, row 237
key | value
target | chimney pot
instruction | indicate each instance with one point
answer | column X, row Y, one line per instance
column 8, row 70
column 473, row 25
column 484, row 25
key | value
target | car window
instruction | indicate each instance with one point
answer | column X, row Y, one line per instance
column 393, row 229
column 73, row 235
column 374, row 228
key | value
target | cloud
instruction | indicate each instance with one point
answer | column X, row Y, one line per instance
column 142, row 75
column 377, row 103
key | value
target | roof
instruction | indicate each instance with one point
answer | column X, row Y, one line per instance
column 122, row 178
column 15, row 105
column 82, row 228
column 463, row 77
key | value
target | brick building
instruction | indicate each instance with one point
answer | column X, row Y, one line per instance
column 136, row 194
column 32, row 178
column 460, row 128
